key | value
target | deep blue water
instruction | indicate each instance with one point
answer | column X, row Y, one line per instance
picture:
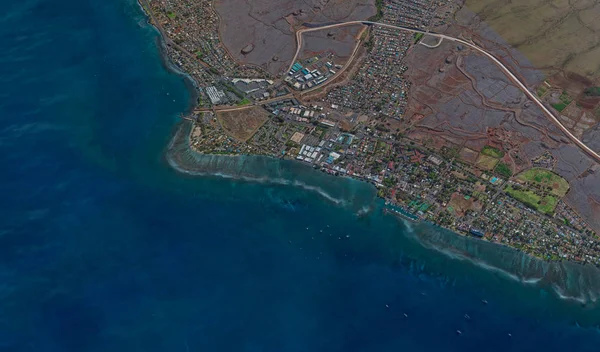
column 105, row 247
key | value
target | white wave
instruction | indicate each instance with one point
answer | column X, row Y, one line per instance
column 532, row 281
column 409, row 225
column 319, row 191
column 562, row 295
column 459, row 256
column 264, row 180
column 363, row 211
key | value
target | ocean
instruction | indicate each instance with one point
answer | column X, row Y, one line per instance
column 108, row 242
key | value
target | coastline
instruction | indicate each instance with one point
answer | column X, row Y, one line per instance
column 569, row 280
column 189, row 81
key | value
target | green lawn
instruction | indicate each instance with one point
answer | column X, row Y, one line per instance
column 559, row 106
column 533, row 200
column 546, row 178
column 565, row 100
column 592, row 91
column 171, row 15
column 418, row 37
column 491, row 151
column 244, row 101
column 503, row 169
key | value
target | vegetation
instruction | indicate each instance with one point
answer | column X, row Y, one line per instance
column 292, row 144
column 379, row 15
column 531, row 199
column 369, row 44
column 388, row 182
column 491, row 151
column 559, row 106
column 199, row 54
column 231, row 88
column 503, row 170
column 565, row 100
column 171, row 15
column 243, row 102
column 418, row 37
column 542, row 89
column 592, row 91
column 545, row 180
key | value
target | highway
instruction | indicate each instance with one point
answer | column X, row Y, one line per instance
column 471, row 45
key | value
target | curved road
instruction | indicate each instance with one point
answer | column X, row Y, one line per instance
column 504, row 69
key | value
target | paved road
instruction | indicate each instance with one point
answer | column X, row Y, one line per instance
column 471, row 45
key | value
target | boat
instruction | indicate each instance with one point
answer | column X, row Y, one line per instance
column 402, row 212
column 484, row 301
column 405, row 315
column 458, row 332
column 467, row 317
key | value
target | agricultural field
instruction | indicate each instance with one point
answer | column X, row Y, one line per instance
column 544, row 204
column 562, row 102
column 544, row 178
column 242, row 124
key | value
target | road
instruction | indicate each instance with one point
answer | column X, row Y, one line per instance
column 471, row 45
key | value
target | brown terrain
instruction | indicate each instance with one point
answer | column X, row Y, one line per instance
column 261, row 33
column 464, row 102
column 341, row 41
column 242, row 124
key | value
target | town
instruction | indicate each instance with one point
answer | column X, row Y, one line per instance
column 350, row 124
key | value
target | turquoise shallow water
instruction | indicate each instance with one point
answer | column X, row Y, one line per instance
column 105, row 246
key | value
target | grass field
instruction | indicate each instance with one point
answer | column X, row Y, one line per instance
column 244, row 101
column 491, row 151
column 593, row 91
column 560, row 33
column 544, row 204
column 545, row 178
column 418, row 37
column 486, row 162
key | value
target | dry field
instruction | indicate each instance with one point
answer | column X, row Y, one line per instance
column 558, row 34
column 242, row 124
column 261, row 32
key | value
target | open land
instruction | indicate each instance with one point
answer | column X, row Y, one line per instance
column 465, row 133
column 556, row 36
column 340, row 41
column 242, row 124
column 262, row 32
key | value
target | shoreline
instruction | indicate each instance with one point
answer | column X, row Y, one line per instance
column 568, row 280
column 189, row 81
column 455, row 253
